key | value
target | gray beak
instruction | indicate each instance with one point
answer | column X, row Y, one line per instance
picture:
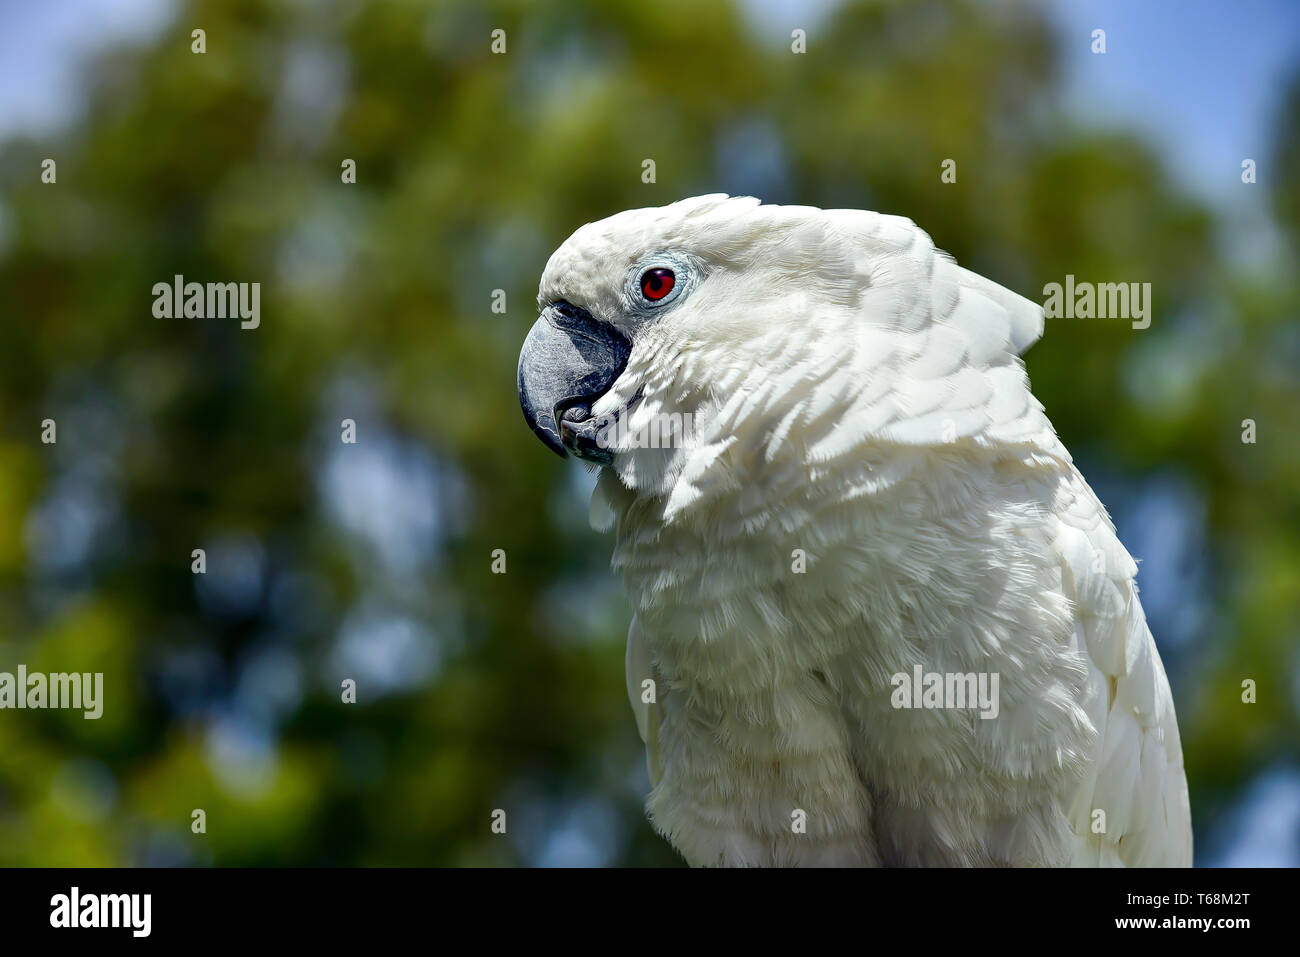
column 568, row 361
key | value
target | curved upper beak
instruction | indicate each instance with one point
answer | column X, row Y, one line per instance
column 568, row 361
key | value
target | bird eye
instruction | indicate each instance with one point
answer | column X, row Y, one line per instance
column 657, row 283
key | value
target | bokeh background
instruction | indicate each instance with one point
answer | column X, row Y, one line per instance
column 373, row 561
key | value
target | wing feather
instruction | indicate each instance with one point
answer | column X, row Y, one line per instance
column 1138, row 780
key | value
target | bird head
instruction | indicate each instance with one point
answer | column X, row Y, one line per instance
column 630, row 303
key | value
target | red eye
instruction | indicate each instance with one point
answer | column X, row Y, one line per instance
column 657, row 283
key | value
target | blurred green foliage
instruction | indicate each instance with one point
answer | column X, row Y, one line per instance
column 480, row 691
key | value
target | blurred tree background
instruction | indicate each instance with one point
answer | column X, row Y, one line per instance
column 372, row 560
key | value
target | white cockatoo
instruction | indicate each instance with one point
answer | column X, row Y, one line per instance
column 880, row 617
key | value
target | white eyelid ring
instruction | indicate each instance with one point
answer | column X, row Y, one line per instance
column 656, row 281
